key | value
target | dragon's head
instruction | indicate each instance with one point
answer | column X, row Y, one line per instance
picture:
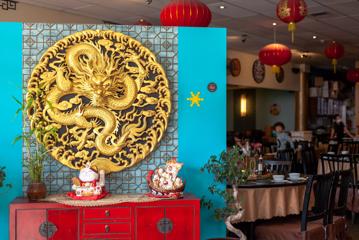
column 97, row 75
column 99, row 85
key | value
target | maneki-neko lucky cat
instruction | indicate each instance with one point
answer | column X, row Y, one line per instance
column 90, row 184
column 164, row 182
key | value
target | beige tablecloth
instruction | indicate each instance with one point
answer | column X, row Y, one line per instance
column 266, row 203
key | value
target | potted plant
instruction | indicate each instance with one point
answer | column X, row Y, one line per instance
column 36, row 153
column 228, row 169
column 34, row 163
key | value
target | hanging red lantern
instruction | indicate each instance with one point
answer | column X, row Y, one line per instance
column 291, row 12
column 143, row 22
column 353, row 75
column 334, row 51
column 275, row 55
column 186, row 13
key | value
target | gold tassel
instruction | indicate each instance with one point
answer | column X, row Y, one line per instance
column 291, row 28
column 334, row 62
column 275, row 69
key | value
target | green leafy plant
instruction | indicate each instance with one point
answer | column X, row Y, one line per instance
column 228, row 169
column 34, row 141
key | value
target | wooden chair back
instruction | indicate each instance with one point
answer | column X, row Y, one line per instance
column 278, row 167
column 309, row 160
column 348, row 145
column 336, row 162
column 285, row 155
column 345, row 145
column 354, row 147
column 324, row 197
column 355, row 166
column 345, row 181
column 333, row 147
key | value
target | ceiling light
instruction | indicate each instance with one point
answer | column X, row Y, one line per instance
column 222, row 7
column 314, row 37
column 274, row 24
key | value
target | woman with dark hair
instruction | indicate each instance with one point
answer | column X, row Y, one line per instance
column 339, row 129
column 284, row 141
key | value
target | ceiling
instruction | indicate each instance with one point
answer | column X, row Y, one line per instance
column 249, row 22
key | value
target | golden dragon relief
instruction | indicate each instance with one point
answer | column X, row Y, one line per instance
column 105, row 95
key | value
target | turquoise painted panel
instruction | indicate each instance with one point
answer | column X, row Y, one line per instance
column 11, row 125
column 201, row 130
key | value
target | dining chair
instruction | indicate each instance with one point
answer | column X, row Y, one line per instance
column 313, row 220
column 289, row 155
column 285, row 155
column 278, row 167
column 332, row 162
column 333, row 147
column 337, row 224
column 354, row 147
column 353, row 192
column 345, row 145
column 303, row 143
column 309, row 160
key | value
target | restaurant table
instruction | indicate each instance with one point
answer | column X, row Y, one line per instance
column 265, row 199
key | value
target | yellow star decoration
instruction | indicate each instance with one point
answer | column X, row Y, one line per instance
column 195, row 99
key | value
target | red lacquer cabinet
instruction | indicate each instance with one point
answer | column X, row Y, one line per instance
column 165, row 219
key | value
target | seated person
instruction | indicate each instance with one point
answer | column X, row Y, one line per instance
column 284, row 141
column 268, row 135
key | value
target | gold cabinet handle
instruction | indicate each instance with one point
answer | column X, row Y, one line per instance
column 107, row 213
column 107, row 228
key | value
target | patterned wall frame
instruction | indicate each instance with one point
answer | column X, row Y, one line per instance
column 163, row 42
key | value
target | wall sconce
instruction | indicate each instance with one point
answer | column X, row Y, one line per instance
column 243, row 105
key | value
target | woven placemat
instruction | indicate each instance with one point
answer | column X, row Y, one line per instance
column 110, row 199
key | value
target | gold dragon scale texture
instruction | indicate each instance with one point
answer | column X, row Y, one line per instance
column 105, row 95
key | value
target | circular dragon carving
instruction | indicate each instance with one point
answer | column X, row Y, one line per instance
column 105, row 95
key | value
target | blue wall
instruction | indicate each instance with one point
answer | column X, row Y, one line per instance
column 265, row 98
column 10, row 124
column 201, row 130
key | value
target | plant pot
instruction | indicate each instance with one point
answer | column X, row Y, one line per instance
column 36, row 191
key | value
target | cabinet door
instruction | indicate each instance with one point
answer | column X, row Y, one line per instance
column 182, row 218
column 28, row 222
column 64, row 224
column 148, row 220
